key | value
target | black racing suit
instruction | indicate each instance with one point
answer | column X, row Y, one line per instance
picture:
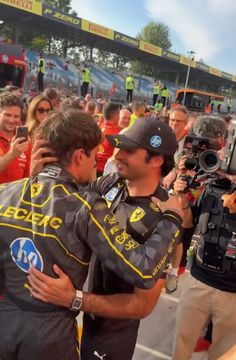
column 50, row 219
column 139, row 216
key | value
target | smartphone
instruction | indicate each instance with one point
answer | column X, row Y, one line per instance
column 22, row 131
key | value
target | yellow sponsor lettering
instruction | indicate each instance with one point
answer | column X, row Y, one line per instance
column 36, row 217
column 9, row 212
column 44, row 222
column 30, row 217
column 17, row 215
column 131, row 245
column 169, row 251
column 111, row 220
column 114, row 229
column 122, row 238
column 55, row 222
column 130, row 40
column 67, row 18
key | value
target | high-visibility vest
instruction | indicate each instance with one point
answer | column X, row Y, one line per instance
column 86, row 75
column 156, row 89
column 165, row 93
column 133, row 118
column 41, row 66
column 129, row 83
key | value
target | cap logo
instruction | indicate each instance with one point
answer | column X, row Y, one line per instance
column 155, row 141
column 117, row 141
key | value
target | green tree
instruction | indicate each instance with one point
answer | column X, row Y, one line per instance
column 63, row 5
column 156, row 34
column 39, row 43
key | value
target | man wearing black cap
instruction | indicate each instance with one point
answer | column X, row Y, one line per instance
column 145, row 154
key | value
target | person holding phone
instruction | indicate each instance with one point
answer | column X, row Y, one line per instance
column 15, row 149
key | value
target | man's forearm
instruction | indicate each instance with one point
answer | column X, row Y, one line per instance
column 123, row 306
column 118, row 306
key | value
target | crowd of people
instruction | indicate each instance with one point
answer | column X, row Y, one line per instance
column 102, row 190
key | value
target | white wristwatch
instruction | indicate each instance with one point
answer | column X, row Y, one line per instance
column 77, row 302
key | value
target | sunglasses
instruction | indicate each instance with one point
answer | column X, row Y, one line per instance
column 42, row 110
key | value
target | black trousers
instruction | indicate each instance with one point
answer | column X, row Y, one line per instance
column 154, row 99
column 129, row 96
column 164, row 101
column 27, row 335
column 84, row 88
column 40, row 81
column 115, row 345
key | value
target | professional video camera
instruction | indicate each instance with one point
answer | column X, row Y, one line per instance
column 205, row 161
column 200, row 156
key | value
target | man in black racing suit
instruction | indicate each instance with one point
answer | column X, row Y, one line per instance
column 140, row 162
column 50, row 219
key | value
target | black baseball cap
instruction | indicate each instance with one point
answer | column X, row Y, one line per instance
column 148, row 133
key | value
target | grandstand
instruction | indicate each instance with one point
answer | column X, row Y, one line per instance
column 53, row 21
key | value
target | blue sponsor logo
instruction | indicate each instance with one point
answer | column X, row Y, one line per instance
column 155, row 141
column 110, row 196
column 24, row 253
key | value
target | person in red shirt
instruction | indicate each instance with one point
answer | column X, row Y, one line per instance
column 14, row 152
column 109, row 127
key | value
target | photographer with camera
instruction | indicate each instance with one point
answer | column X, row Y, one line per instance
column 210, row 290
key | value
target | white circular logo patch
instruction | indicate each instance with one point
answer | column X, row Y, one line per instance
column 155, row 141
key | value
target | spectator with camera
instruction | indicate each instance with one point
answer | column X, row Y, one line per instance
column 210, row 290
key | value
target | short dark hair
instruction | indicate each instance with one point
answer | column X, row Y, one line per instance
column 110, row 109
column 8, row 99
column 50, row 93
column 65, row 132
column 139, row 105
column 167, row 165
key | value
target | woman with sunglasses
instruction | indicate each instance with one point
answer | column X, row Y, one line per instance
column 37, row 112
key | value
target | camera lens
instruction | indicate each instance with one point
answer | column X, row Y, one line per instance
column 209, row 161
column 191, row 163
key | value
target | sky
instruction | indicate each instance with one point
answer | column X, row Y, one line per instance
column 207, row 27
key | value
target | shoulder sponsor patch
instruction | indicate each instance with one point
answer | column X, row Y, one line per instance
column 137, row 215
column 24, row 253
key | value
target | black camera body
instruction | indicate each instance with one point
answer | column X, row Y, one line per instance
column 217, row 227
column 228, row 164
column 200, row 155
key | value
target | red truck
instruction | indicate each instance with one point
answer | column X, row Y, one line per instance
column 12, row 65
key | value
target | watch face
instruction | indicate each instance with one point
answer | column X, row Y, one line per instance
column 76, row 305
